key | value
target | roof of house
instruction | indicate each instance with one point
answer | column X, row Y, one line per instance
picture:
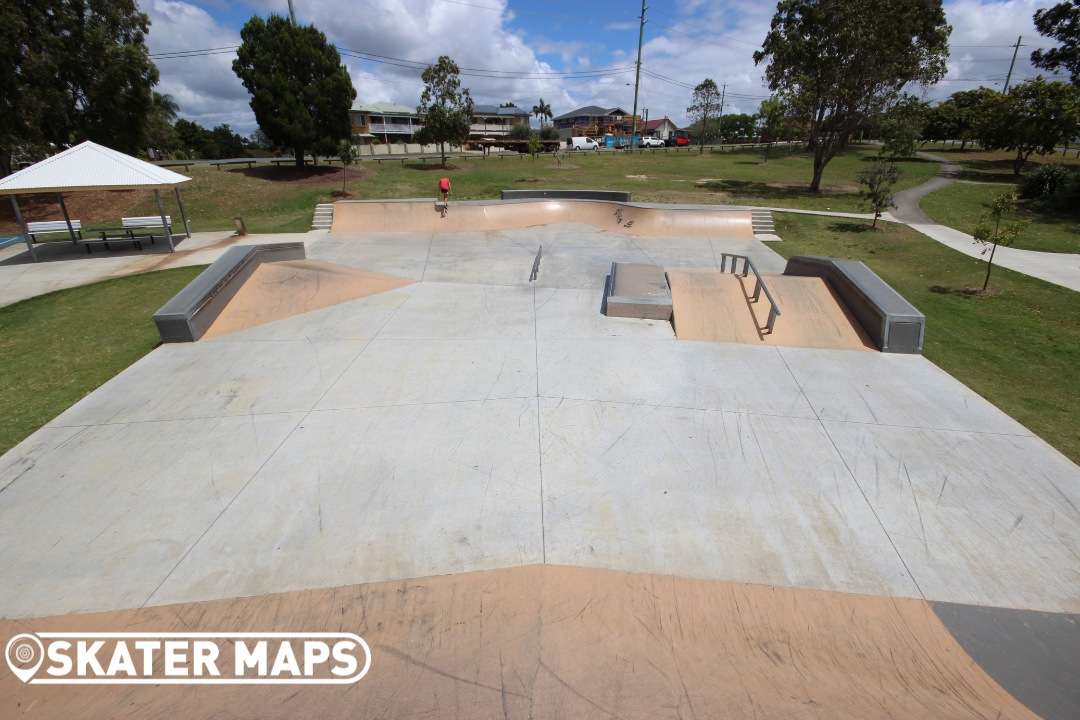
column 496, row 110
column 592, row 111
column 383, row 108
column 655, row 124
column 89, row 166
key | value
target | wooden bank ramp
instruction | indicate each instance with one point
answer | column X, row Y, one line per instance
column 546, row 641
column 717, row 306
column 278, row 290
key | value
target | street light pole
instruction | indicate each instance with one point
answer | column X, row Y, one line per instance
column 637, row 76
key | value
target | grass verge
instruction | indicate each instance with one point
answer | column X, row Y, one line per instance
column 59, row 347
column 1018, row 347
column 282, row 199
column 961, row 204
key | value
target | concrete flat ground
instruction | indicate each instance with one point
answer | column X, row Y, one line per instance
column 473, row 422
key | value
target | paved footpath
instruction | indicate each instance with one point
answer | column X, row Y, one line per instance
column 1058, row 268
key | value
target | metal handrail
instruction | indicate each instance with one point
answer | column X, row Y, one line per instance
column 774, row 311
column 536, row 264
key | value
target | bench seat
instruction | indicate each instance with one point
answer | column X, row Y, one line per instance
column 49, row 227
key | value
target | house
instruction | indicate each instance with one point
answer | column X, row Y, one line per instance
column 492, row 121
column 662, row 129
column 593, row 121
column 383, row 121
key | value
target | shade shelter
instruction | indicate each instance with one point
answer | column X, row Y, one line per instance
column 89, row 166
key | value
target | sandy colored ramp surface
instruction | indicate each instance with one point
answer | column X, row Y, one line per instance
column 716, row 306
column 283, row 289
column 423, row 216
column 549, row 641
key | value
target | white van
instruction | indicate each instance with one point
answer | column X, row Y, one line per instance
column 581, row 143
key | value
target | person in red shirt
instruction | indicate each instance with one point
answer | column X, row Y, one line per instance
column 444, row 188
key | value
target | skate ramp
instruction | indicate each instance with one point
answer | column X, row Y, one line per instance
column 427, row 216
column 550, row 641
column 716, row 306
column 286, row 288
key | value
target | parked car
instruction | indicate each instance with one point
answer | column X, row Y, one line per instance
column 648, row 141
column 677, row 141
column 581, row 143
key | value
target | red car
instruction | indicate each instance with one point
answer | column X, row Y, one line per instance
column 678, row 141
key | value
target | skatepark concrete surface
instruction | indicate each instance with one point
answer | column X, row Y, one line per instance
column 529, row 509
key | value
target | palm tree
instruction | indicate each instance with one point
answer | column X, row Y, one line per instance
column 542, row 110
column 166, row 106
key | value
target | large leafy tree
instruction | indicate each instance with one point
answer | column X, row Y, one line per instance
column 703, row 111
column 300, row 91
column 445, row 106
column 838, row 63
column 76, row 70
column 901, row 127
column 1034, row 117
column 1062, row 23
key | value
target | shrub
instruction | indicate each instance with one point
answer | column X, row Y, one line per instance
column 1046, row 181
column 1053, row 187
column 549, row 132
column 178, row 155
column 520, row 131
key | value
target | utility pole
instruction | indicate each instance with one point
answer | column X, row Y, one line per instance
column 292, row 13
column 637, row 77
column 720, row 117
column 1016, row 48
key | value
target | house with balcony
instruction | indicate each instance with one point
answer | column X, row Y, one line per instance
column 593, row 121
column 492, row 121
column 382, row 121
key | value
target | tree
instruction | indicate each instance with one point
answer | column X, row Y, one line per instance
column 300, row 91
column 549, row 132
column 445, row 106
column 520, row 131
column 347, row 156
column 902, row 127
column 77, row 70
column 989, row 233
column 541, row 110
column 535, row 147
column 837, row 62
column 1062, row 23
column 195, row 140
column 773, row 116
column 879, row 181
column 1035, row 117
column 227, row 143
column 706, row 103
column 735, row 127
column 160, row 134
column 942, row 123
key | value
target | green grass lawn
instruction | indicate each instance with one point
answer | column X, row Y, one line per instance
column 272, row 199
column 1019, row 347
column 961, row 204
column 996, row 166
column 59, row 347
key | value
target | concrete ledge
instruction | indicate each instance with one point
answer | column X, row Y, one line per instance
column 638, row 291
column 609, row 195
column 192, row 310
column 894, row 324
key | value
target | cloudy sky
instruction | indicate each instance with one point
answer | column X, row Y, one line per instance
column 568, row 53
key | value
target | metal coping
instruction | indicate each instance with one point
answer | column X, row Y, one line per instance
column 893, row 323
column 189, row 313
column 610, row 195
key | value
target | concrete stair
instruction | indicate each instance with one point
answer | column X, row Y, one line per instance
column 324, row 217
column 762, row 222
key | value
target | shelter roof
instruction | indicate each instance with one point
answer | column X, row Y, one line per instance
column 89, row 166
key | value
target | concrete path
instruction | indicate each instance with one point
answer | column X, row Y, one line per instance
column 63, row 265
column 1059, row 268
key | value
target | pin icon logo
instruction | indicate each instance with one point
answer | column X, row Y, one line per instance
column 24, row 655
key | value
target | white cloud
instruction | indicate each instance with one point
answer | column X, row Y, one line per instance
column 205, row 88
column 688, row 43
